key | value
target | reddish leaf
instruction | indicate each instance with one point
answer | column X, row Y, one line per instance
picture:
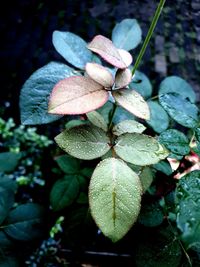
column 99, row 74
column 126, row 57
column 77, row 95
column 106, row 49
column 123, row 78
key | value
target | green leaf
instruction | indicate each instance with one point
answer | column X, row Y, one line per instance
column 8, row 261
column 96, row 119
column 196, row 147
column 197, row 134
column 187, row 208
column 175, row 141
column 87, row 172
column 68, row 164
column 77, row 95
column 114, row 197
column 5, row 241
column 159, row 119
column 24, row 222
column 106, row 49
column 180, row 109
column 127, row 34
column 64, row 192
column 105, row 111
column 146, row 178
column 36, row 91
column 122, row 114
column 139, row 149
column 6, row 202
column 82, row 199
column 175, row 84
column 158, row 249
column 133, row 102
column 151, row 214
column 128, row 126
column 84, row 142
column 164, row 167
column 73, row 123
column 9, row 161
column 8, row 183
column 141, row 84
column 72, row 47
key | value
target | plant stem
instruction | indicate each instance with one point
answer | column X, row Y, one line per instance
column 149, row 34
column 112, row 116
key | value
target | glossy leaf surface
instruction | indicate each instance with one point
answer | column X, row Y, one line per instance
column 77, row 95
column 84, row 142
column 133, row 102
column 114, row 197
column 35, row 93
column 72, row 47
column 139, row 149
column 127, row 34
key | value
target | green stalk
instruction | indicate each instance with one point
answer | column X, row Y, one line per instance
column 149, row 35
column 112, row 116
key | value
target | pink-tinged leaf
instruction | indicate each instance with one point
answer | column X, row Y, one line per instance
column 126, row 57
column 123, row 78
column 133, row 102
column 99, row 74
column 106, row 49
column 77, row 95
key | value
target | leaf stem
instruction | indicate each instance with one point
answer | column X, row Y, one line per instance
column 112, row 116
column 149, row 35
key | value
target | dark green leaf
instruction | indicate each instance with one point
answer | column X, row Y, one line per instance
column 164, row 167
column 5, row 241
column 196, row 147
column 180, row 109
column 139, row 149
column 87, row 172
column 158, row 249
column 73, row 123
column 141, row 84
column 127, row 34
column 6, row 202
column 175, row 141
column 151, row 214
column 68, row 164
column 8, row 261
column 146, row 178
column 9, row 161
column 105, row 111
column 122, row 114
column 8, row 183
column 175, row 84
column 159, row 119
column 64, row 192
column 84, row 142
column 188, row 212
column 82, row 198
column 36, row 91
column 72, row 47
column 114, row 194
column 24, row 222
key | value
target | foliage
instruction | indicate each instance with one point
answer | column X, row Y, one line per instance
column 21, row 220
column 120, row 140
